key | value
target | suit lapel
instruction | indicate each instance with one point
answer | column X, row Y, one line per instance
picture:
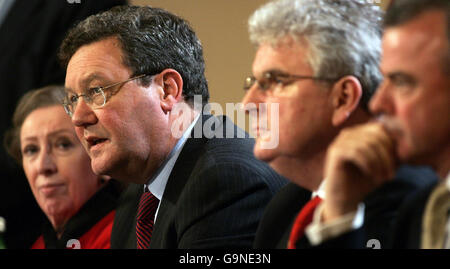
column 181, row 172
column 125, row 219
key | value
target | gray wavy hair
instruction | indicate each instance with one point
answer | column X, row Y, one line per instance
column 343, row 36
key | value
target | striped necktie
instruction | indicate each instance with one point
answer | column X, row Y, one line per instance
column 145, row 219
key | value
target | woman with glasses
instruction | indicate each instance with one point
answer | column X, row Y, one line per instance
column 79, row 205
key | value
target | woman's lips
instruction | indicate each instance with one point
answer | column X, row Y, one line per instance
column 51, row 189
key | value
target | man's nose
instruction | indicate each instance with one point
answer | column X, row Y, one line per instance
column 83, row 115
column 251, row 99
column 381, row 101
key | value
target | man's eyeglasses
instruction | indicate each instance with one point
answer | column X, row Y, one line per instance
column 270, row 79
column 94, row 97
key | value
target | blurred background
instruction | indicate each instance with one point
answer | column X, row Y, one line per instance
column 221, row 26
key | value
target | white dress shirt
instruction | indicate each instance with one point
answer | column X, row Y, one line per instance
column 317, row 232
column 157, row 184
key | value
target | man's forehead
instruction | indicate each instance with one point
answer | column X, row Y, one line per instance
column 101, row 60
column 414, row 45
column 285, row 56
column 424, row 34
column 403, row 42
column 86, row 79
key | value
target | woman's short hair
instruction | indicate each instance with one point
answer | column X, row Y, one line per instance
column 32, row 100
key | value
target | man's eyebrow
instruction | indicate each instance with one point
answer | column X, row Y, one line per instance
column 273, row 71
column 399, row 74
column 85, row 81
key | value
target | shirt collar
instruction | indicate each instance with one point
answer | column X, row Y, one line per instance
column 157, row 184
column 320, row 191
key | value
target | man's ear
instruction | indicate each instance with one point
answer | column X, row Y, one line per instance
column 346, row 94
column 172, row 86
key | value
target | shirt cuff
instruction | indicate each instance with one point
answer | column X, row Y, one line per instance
column 318, row 232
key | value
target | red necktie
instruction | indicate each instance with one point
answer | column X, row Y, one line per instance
column 145, row 219
column 304, row 218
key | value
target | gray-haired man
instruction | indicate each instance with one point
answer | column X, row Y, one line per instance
column 317, row 59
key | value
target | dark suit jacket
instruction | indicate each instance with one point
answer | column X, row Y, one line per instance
column 29, row 39
column 407, row 231
column 275, row 226
column 405, row 227
column 382, row 207
column 214, row 198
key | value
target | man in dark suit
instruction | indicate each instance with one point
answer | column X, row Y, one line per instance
column 381, row 209
column 205, row 203
column 136, row 92
column 317, row 64
column 413, row 127
column 30, row 34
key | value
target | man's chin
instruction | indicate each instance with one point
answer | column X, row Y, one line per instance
column 265, row 155
column 274, row 160
column 99, row 167
column 404, row 153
